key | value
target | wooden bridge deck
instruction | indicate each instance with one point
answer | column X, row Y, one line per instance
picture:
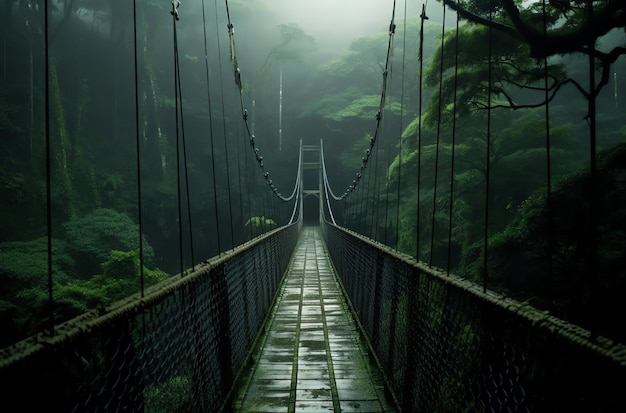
column 312, row 358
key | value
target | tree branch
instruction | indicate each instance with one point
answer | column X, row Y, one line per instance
column 479, row 19
column 607, row 59
column 559, row 41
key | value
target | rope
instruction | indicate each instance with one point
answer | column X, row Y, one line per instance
column 138, row 153
column 452, row 155
column 438, row 139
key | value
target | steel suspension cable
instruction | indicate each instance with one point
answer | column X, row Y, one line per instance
column 326, row 186
column 381, row 106
column 453, row 148
column 548, row 153
column 366, row 193
column 386, row 152
column 48, row 171
column 398, row 189
column 239, row 182
column 138, row 153
column 185, row 164
column 593, row 196
column 386, row 182
column 375, row 194
column 244, row 111
column 419, row 131
column 211, row 132
column 488, row 152
column 180, row 221
column 248, row 174
column 180, row 141
column 362, row 202
column 227, row 167
column 438, row 140
column 298, row 185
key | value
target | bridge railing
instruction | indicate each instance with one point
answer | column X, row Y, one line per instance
column 177, row 349
column 445, row 345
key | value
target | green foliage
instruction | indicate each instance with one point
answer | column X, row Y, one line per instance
column 112, row 183
column 8, row 114
column 125, row 265
column 24, row 271
column 260, row 222
column 91, row 237
column 24, row 264
column 516, row 78
column 364, row 107
column 119, row 279
column 77, row 297
column 342, row 106
column 18, row 196
column 351, row 158
column 518, row 260
column 294, row 41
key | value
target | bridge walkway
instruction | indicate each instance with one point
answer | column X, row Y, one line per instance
column 312, row 358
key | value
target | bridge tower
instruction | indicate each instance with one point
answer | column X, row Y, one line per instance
column 311, row 184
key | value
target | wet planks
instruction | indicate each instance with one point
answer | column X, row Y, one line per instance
column 312, row 358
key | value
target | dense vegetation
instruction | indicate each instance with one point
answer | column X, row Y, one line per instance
column 330, row 94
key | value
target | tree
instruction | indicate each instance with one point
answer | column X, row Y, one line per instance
column 519, row 263
column 522, row 37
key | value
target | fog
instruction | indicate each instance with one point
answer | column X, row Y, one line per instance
column 334, row 24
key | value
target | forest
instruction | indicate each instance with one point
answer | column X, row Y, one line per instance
column 112, row 124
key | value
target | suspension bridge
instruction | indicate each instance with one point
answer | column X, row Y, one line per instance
column 317, row 314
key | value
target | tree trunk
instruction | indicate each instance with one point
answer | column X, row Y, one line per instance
column 63, row 145
column 152, row 92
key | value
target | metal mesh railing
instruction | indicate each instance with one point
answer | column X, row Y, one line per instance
column 446, row 346
column 178, row 349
